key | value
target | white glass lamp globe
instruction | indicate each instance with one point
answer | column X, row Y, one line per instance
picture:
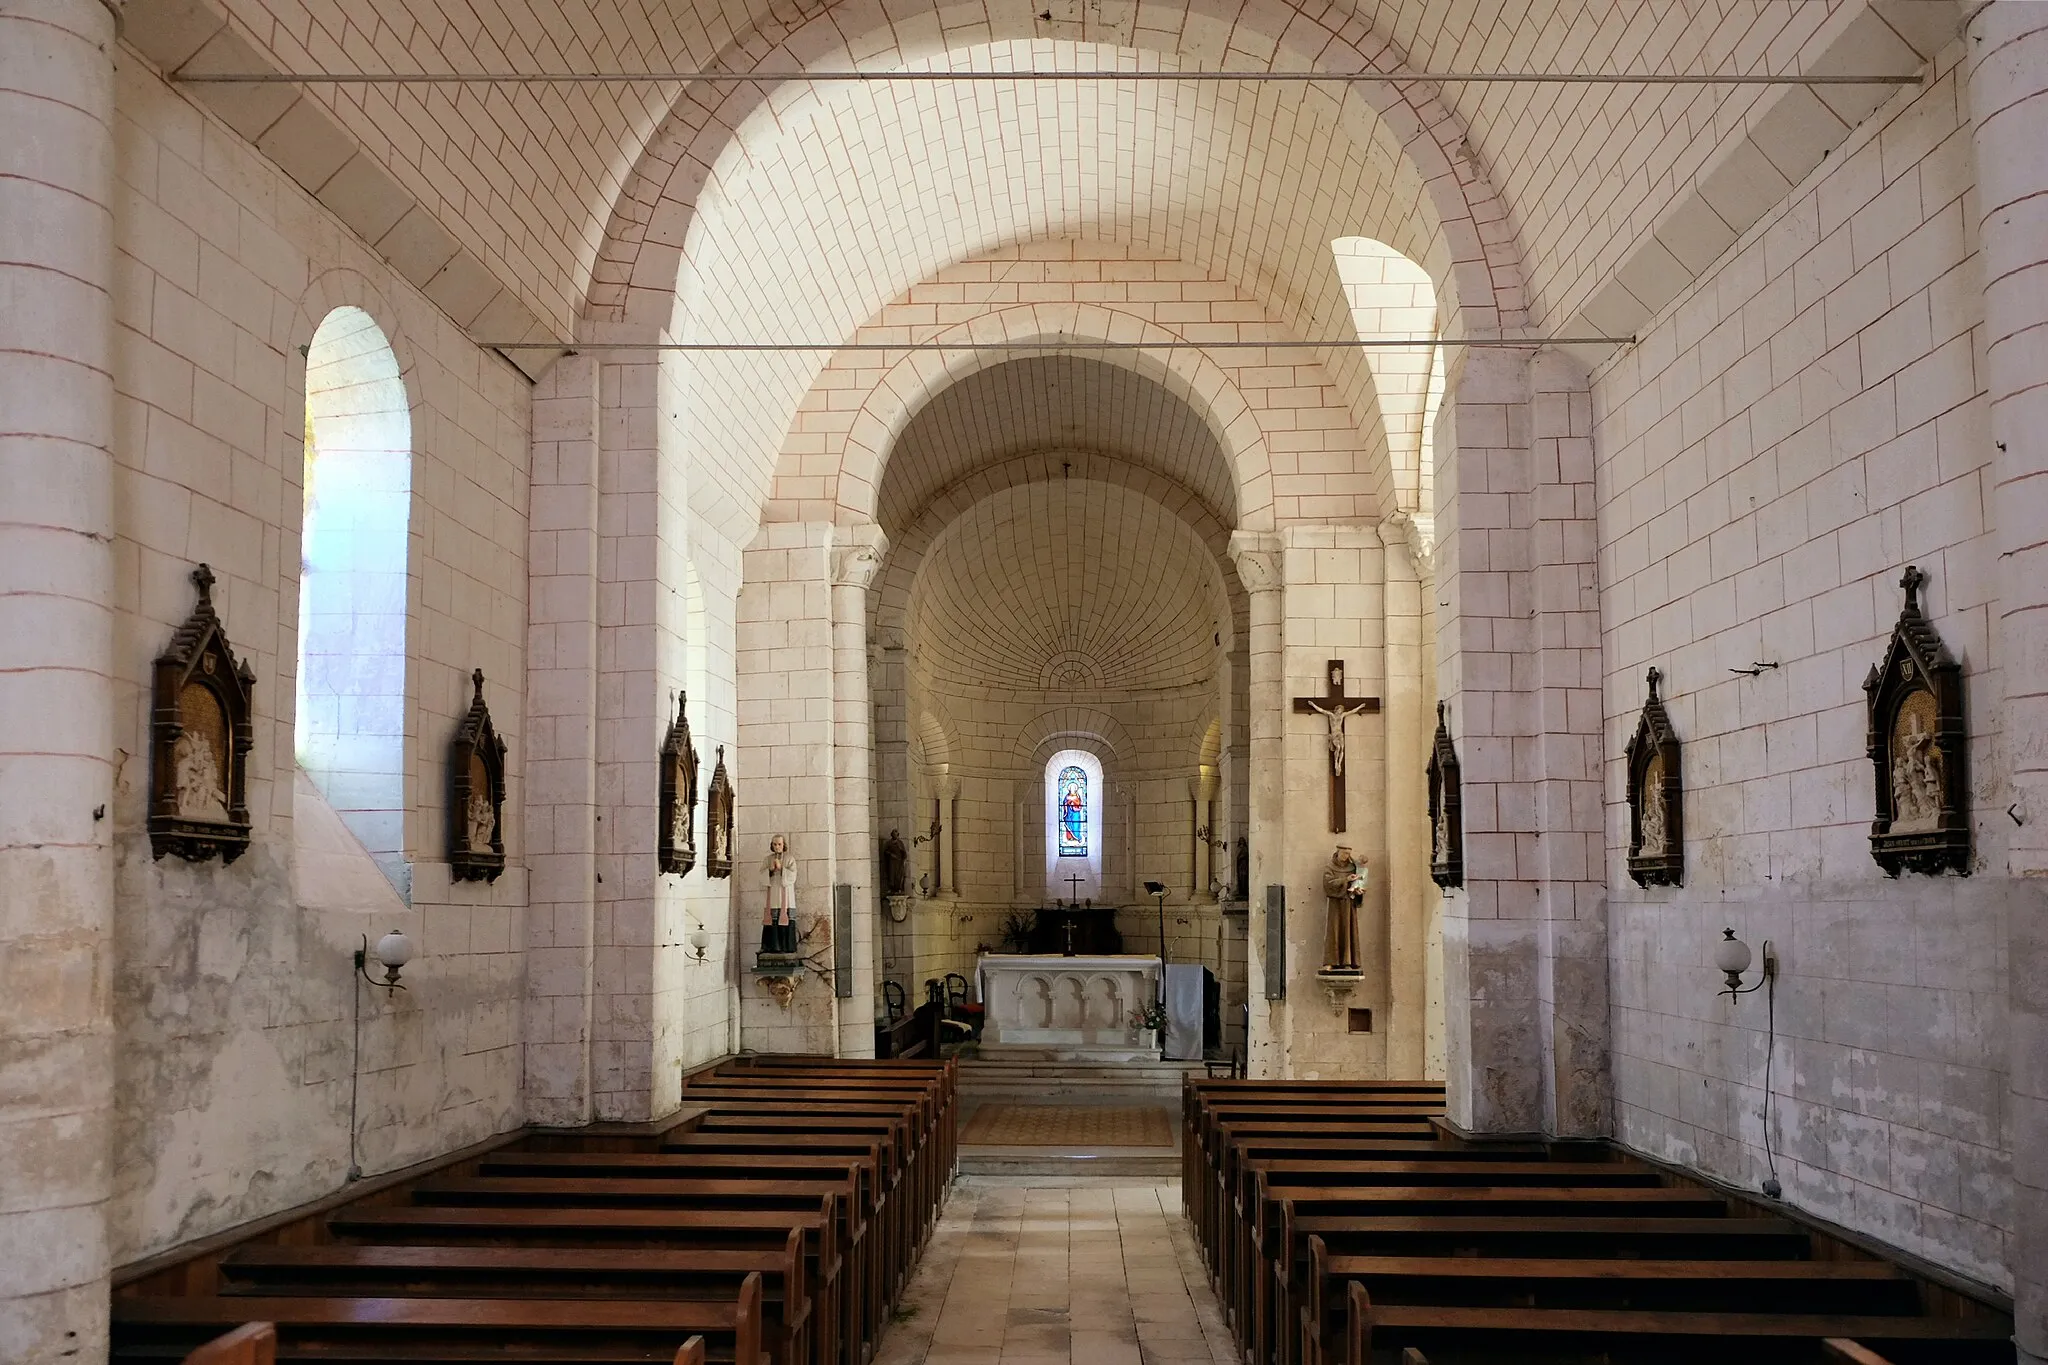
column 394, row 949
column 700, row 939
column 1731, row 954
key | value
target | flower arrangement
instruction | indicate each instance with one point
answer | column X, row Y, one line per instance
column 1152, row 1016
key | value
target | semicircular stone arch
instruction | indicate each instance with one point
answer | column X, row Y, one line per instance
column 637, row 272
column 849, row 493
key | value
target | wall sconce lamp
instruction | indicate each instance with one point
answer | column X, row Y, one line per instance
column 1731, row 957
column 392, row 952
column 700, row 942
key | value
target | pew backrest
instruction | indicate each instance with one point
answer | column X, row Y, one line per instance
column 253, row 1343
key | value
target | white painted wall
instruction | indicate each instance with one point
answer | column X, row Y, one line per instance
column 233, row 997
column 1790, row 434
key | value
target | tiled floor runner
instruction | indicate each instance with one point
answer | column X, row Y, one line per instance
column 1061, row 1125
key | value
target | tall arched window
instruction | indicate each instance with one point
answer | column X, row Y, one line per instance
column 354, row 554
column 1073, row 825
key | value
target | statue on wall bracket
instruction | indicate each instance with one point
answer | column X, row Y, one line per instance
column 1656, row 804
column 1918, row 749
column 476, row 794
column 677, row 849
column 1446, row 808
column 718, row 822
column 200, row 737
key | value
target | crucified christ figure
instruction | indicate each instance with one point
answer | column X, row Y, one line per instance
column 1335, row 707
column 1334, row 715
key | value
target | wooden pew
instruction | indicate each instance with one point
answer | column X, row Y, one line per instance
column 839, row 1201
column 602, row 1331
column 1866, row 1288
column 833, row 1299
column 1452, row 1334
column 858, row 1181
column 253, row 1343
column 466, row 1272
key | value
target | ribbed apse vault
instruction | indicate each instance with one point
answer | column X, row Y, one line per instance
column 1067, row 585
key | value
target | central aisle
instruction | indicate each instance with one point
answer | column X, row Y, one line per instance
column 1050, row 1270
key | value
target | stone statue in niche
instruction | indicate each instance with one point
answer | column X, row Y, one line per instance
column 476, row 804
column 895, row 865
column 676, row 850
column 1656, row 851
column 778, row 906
column 1918, row 748
column 718, row 821
column 1916, row 767
column 202, row 791
column 1344, row 882
column 200, row 737
column 1446, row 807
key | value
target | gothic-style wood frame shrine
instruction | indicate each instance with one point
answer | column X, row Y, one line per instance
column 200, row 736
column 476, row 794
column 1446, row 809
column 1918, row 749
column 678, row 842
column 1656, row 797
column 718, row 822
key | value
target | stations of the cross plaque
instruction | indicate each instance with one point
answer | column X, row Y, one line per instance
column 1335, row 708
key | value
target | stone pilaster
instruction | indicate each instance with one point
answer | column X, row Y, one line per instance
column 1259, row 565
column 561, row 761
column 1486, row 672
column 1566, row 851
column 2008, row 91
column 856, row 558
column 56, row 695
column 1410, row 714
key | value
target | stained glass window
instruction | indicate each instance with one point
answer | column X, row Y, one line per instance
column 1073, row 790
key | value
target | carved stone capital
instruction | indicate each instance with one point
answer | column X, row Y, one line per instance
column 1257, row 556
column 857, row 555
column 1416, row 535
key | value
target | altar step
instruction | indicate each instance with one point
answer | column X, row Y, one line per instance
column 1045, row 1076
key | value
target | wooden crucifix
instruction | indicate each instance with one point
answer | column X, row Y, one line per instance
column 1335, row 708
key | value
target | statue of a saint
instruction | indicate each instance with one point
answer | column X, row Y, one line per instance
column 479, row 822
column 895, row 865
column 1344, row 885
column 778, row 909
column 1916, row 779
column 196, row 774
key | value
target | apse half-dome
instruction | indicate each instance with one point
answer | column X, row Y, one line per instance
column 1068, row 585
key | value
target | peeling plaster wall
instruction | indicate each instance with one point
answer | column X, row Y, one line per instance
column 233, row 992
column 1797, row 428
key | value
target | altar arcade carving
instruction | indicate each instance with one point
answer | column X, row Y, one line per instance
column 1918, row 747
column 1656, row 805
column 677, row 850
column 476, row 794
column 1446, row 808
column 200, row 737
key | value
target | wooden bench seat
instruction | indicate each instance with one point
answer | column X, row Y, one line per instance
column 431, row 1329
column 539, row 1272
column 838, row 1309
column 1452, row 1335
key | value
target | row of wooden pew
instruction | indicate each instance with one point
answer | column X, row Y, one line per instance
column 1344, row 1222
column 778, row 1222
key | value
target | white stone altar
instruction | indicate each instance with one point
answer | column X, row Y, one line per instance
column 1079, row 1006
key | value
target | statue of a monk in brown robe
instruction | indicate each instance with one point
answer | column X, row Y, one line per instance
column 1344, row 886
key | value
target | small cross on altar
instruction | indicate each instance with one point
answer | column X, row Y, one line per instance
column 1335, row 708
column 1074, row 881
